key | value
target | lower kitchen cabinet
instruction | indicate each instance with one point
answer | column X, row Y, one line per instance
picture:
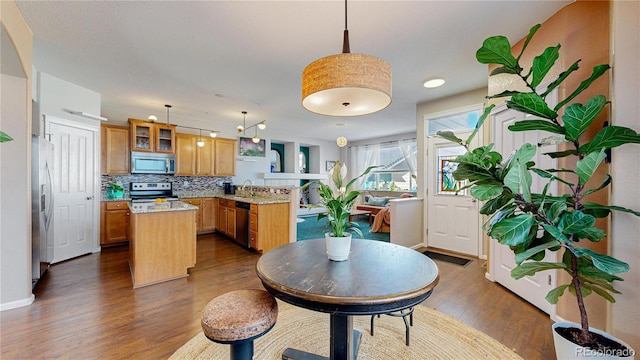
column 268, row 226
column 208, row 213
column 227, row 217
column 114, row 223
column 196, row 202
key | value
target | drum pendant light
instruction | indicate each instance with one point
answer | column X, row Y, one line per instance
column 346, row 84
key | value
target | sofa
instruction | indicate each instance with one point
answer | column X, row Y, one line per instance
column 376, row 204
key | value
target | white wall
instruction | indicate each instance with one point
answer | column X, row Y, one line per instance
column 15, row 211
column 252, row 167
column 57, row 97
column 624, row 320
column 16, row 45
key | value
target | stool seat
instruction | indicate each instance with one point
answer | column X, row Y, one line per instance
column 239, row 316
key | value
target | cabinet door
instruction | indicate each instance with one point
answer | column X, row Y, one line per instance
column 204, row 157
column 142, row 135
column 231, row 222
column 115, row 152
column 165, row 136
column 225, row 157
column 221, row 224
column 208, row 214
column 198, row 203
column 185, row 154
column 115, row 227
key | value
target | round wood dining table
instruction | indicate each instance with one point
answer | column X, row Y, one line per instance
column 377, row 278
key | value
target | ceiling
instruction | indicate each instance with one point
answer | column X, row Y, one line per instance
column 213, row 59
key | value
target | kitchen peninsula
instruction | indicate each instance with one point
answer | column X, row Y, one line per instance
column 162, row 241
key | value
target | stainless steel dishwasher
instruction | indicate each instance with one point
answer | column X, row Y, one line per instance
column 242, row 223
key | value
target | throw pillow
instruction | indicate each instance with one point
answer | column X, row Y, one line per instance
column 376, row 201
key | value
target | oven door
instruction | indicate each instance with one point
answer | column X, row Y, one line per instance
column 150, row 163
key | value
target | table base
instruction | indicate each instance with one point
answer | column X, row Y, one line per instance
column 293, row 354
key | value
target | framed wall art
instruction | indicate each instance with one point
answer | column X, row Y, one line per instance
column 248, row 148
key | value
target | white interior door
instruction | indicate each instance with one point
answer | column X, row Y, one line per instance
column 452, row 219
column 74, row 189
column 531, row 288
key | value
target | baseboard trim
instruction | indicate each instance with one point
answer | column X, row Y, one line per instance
column 18, row 303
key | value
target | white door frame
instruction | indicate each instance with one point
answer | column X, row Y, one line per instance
column 427, row 182
column 94, row 127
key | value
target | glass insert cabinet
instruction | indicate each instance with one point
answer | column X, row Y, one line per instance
column 152, row 137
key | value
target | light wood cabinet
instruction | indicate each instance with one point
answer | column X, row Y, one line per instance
column 152, row 137
column 225, row 157
column 193, row 159
column 208, row 214
column 185, row 155
column 114, row 223
column 115, row 151
column 196, row 202
column 268, row 226
column 227, row 217
column 215, row 158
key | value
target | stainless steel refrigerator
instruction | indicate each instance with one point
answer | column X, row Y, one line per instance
column 41, row 206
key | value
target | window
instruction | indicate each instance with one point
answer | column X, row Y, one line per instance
column 397, row 161
column 466, row 119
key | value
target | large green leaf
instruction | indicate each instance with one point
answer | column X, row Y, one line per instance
column 513, row 231
column 531, row 268
column 561, row 154
column 547, row 175
column 588, row 165
column 555, row 210
column 604, row 210
column 534, row 250
column 543, row 63
column 577, row 118
column 487, row 191
column 604, row 262
column 598, row 71
column 544, row 125
column 450, row 135
column 518, row 179
column 591, row 233
column 556, row 233
column 560, row 79
column 574, row 221
column 497, row 50
column 605, row 182
column 531, row 103
column 483, row 117
column 610, row 137
column 553, row 295
column 599, row 291
column 532, row 32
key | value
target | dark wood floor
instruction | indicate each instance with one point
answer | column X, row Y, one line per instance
column 86, row 308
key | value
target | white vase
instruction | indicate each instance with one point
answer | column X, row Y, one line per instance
column 566, row 349
column 338, row 248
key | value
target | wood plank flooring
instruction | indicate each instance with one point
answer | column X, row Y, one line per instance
column 86, row 307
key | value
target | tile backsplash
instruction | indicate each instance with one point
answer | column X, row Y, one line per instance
column 179, row 183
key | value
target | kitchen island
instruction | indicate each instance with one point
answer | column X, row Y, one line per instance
column 162, row 241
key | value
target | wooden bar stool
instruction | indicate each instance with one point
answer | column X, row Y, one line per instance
column 237, row 318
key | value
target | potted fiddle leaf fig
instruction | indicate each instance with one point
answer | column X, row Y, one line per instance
column 532, row 223
column 338, row 199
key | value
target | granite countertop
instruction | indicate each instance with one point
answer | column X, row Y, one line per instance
column 260, row 200
column 154, row 207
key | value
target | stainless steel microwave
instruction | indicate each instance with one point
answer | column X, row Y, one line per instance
column 152, row 163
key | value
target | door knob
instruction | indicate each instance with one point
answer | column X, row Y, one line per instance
column 89, row 197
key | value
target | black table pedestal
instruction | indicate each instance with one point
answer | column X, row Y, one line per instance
column 343, row 337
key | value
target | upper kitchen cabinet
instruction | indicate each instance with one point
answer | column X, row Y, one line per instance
column 114, row 158
column 152, row 137
column 225, row 157
column 215, row 158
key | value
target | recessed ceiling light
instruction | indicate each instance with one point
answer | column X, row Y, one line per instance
column 433, row 83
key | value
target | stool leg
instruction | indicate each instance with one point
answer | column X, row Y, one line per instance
column 242, row 350
column 372, row 317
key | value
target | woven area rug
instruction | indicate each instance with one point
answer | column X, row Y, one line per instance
column 433, row 336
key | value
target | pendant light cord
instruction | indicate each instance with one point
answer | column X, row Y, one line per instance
column 345, row 38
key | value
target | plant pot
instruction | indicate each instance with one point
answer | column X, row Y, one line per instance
column 338, row 248
column 114, row 194
column 566, row 349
